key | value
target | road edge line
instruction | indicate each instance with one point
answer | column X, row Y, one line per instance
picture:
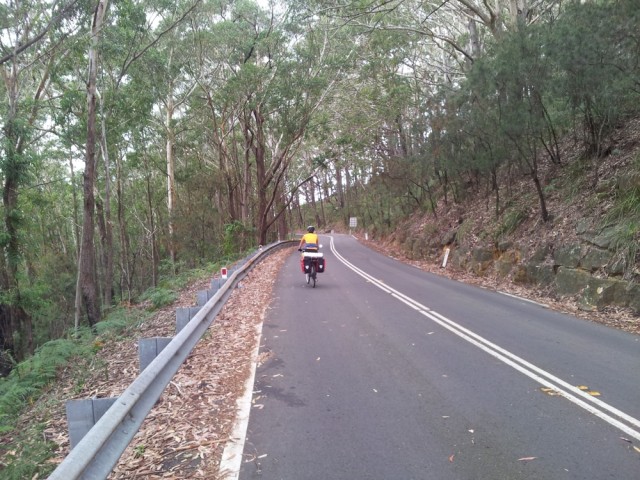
column 231, row 460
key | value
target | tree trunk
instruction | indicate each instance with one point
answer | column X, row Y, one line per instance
column 518, row 11
column 87, row 267
column 350, row 186
column 339, row 187
column 283, row 231
column 261, row 169
column 152, row 231
column 171, row 179
column 102, row 230
column 543, row 203
column 107, row 245
column 124, row 238
column 76, row 219
column 474, row 42
column 247, row 183
column 18, row 322
column 323, row 219
column 15, row 321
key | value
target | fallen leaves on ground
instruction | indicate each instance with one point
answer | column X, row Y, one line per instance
column 185, row 433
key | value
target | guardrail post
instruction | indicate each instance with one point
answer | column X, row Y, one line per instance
column 204, row 296
column 149, row 348
column 184, row 315
column 216, row 283
column 82, row 415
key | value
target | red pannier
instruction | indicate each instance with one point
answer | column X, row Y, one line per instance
column 305, row 264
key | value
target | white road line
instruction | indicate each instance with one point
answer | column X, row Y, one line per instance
column 523, row 299
column 232, row 455
column 541, row 376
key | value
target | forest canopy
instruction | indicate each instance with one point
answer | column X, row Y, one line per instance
column 139, row 138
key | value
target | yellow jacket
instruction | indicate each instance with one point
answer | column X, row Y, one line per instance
column 310, row 241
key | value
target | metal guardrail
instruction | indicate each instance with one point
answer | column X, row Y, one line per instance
column 95, row 456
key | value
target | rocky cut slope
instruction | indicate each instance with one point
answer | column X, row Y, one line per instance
column 585, row 258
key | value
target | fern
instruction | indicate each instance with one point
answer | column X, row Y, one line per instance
column 159, row 297
column 25, row 382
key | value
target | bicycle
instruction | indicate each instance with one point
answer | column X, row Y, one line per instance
column 312, row 263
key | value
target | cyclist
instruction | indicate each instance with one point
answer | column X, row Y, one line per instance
column 309, row 241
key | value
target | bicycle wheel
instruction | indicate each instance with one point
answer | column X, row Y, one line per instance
column 313, row 274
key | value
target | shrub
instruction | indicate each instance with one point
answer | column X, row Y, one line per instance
column 159, row 297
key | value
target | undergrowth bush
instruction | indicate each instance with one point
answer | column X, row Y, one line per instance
column 510, row 222
column 26, row 381
column 28, row 459
column 26, row 452
column 159, row 297
column 625, row 216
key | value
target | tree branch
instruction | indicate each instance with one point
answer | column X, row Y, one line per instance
column 54, row 21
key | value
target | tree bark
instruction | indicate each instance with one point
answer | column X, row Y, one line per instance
column 124, row 237
column 171, row 179
column 107, row 246
column 155, row 260
column 87, row 267
column 261, row 176
column 15, row 321
column 247, row 177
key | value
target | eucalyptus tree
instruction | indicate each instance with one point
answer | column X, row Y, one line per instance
column 86, row 262
column 458, row 28
column 267, row 75
column 119, row 40
column 379, row 118
column 221, row 37
column 305, row 76
column 31, row 33
column 179, row 89
column 137, row 75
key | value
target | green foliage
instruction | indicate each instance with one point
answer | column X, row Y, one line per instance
column 30, row 378
column 511, row 220
column 139, row 450
column 593, row 47
column 624, row 215
column 28, row 458
column 119, row 320
column 26, row 381
column 236, row 238
column 159, row 297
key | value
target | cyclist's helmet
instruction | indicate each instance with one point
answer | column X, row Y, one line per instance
column 311, row 229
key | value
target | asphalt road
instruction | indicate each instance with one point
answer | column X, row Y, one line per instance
column 386, row 372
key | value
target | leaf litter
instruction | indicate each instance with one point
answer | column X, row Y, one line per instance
column 185, row 433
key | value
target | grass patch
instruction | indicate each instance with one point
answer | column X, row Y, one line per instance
column 510, row 222
column 624, row 215
column 576, row 179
